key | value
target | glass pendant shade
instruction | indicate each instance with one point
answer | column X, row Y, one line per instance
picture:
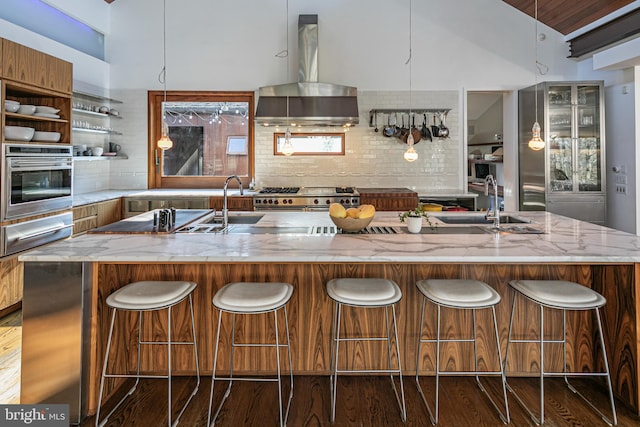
column 410, row 155
column 165, row 143
column 287, row 147
column 536, row 143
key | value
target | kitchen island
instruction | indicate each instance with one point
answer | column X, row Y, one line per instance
column 561, row 248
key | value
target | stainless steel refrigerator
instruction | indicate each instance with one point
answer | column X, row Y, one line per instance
column 567, row 176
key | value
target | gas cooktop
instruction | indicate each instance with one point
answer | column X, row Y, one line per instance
column 279, row 190
column 309, row 191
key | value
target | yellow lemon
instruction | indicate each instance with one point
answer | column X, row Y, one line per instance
column 352, row 213
column 336, row 210
column 366, row 211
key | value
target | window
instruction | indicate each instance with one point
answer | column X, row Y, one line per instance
column 212, row 134
column 306, row 144
column 46, row 20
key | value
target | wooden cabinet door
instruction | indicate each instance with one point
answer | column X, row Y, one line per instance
column 109, row 212
column 399, row 203
column 235, row 203
column 29, row 66
column 11, row 284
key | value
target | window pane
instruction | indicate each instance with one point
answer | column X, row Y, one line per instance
column 209, row 139
column 43, row 19
column 311, row 143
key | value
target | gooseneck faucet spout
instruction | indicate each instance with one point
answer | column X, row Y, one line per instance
column 495, row 214
column 225, row 211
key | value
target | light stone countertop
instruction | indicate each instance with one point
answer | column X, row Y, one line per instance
column 564, row 241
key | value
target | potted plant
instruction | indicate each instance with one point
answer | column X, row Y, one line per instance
column 414, row 217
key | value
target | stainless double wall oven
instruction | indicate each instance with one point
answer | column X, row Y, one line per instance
column 36, row 179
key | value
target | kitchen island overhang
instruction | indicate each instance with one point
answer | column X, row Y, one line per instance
column 601, row 258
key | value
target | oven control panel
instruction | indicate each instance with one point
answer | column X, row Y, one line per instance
column 293, row 202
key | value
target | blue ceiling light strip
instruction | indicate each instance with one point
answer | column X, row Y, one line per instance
column 46, row 20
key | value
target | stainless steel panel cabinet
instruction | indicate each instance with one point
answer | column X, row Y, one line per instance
column 567, row 176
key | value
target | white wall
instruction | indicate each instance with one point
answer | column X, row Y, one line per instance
column 363, row 43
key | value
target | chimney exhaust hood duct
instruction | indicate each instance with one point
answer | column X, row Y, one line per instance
column 310, row 103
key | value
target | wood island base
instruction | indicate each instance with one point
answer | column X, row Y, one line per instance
column 310, row 314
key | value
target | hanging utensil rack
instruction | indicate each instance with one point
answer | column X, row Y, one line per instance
column 413, row 111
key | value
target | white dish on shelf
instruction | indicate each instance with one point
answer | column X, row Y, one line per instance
column 18, row 133
column 47, row 115
column 46, row 110
column 11, row 106
column 46, row 136
column 27, row 109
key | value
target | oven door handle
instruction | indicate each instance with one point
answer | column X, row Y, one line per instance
column 43, row 232
column 61, row 164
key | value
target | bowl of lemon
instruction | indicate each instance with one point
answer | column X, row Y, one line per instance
column 351, row 220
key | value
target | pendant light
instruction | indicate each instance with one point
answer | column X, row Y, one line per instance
column 410, row 155
column 164, row 143
column 536, row 143
column 287, row 147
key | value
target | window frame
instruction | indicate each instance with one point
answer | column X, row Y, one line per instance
column 154, row 156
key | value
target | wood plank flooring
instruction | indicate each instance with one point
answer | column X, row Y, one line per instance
column 361, row 401
column 10, row 345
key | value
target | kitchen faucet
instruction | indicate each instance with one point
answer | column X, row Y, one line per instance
column 225, row 211
column 495, row 215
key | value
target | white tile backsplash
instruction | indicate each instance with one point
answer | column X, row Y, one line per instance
column 371, row 159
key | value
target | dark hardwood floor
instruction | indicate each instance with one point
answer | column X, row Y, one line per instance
column 363, row 401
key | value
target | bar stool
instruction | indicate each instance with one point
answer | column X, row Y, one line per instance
column 253, row 298
column 365, row 293
column 560, row 295
column 462, row 295
column 150, row 296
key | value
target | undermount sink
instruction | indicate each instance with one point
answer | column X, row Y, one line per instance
column 479, row 219
column 515, row 229
column 243, row 229
column 237, row 219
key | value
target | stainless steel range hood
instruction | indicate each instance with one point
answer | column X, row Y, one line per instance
column 310, row 103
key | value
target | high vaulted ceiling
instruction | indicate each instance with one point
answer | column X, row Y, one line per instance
column 564, row 16
column 567, row 16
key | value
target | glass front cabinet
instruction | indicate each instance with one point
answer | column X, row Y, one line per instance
column 566, row 176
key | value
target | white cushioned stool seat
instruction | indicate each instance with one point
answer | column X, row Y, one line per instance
column 559, row 294
column 459, row 293
column 150, row 295
column 364, row 292
column 252, row 297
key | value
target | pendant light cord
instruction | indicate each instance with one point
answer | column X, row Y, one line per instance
column 162, row 77
column 535, row 68
column 409, row 59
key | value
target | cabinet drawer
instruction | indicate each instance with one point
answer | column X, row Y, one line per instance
column 84, row 224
